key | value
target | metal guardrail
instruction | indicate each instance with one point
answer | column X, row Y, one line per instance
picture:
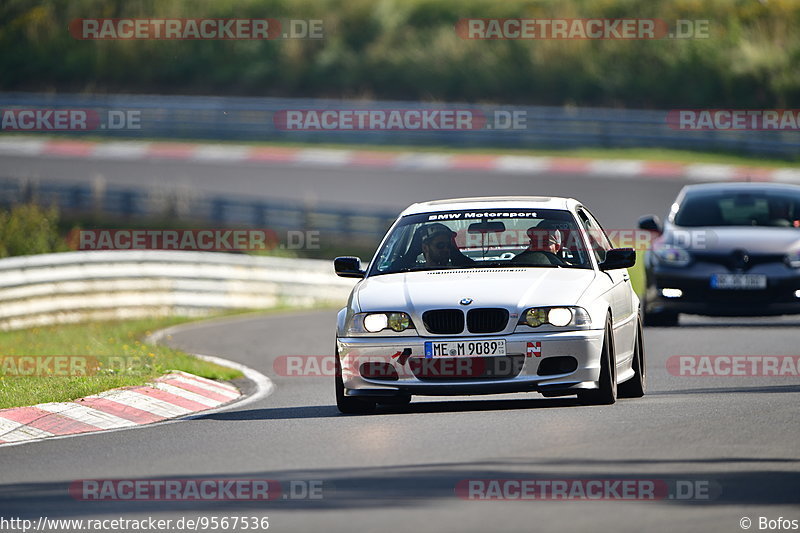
column 68, row 287
column 251, row 119
column 188, row 205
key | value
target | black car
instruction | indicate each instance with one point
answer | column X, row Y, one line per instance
column 726, row 249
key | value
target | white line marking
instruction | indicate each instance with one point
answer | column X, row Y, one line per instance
column 264, row 385
column 210, row 382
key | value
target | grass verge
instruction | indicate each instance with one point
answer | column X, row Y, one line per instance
column 116, row 357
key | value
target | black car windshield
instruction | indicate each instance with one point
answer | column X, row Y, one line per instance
column 740, row 208
column 546, row 238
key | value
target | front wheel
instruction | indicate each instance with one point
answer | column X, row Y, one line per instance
column 346, row 404
column 606, row 393
column 637, row 385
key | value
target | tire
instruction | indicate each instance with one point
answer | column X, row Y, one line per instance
column 396, row 400
column 637, row 385
column 606, row 394
column 346, row 404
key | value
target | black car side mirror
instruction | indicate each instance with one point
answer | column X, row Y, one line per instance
column 348, row 267
column 650, row 223
column 619, row 258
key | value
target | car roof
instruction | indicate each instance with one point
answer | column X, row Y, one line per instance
column 737, row 186
column 492, row 202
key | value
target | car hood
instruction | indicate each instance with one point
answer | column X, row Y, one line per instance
column 510, row 288
column 759, row 240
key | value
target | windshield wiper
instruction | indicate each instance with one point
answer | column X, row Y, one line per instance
column 506, row 264
column 537, row 265
column 421, row 267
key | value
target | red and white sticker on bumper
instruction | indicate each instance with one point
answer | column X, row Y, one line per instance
column 534, row 349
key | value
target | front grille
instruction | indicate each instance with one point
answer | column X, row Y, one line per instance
column 733, row 262
column 443, row 321
column 489, row 320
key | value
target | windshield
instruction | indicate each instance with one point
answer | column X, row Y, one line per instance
column 546, row 238
column 740, row 208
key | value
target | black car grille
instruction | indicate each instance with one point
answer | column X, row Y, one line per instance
column 444, row 321
column 489, row 320
column 735, row 261
column 479, row 321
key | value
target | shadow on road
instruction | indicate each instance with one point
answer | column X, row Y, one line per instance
column 324, row 411
column 418, row 485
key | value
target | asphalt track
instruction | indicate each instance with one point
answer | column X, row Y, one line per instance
column 616, row 200
column 398, row 470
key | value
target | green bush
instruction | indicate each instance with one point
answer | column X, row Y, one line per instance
column 408, row 49
column 29, row 229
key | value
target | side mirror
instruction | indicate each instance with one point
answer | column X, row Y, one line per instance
column 348, row 267
column 619, row 258
column 651, row 223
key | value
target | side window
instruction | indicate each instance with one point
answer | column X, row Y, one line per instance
column 597, row 237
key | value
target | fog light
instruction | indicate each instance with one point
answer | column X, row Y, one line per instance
column 797, row 293
column 671, row 293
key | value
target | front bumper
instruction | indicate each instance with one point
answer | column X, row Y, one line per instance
column 699, row 298
column 416, row 374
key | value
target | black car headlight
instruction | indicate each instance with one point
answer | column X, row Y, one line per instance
column 672, row 256
column 793, row 259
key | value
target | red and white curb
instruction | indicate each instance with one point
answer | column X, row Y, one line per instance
column 421, row 161
column 172, row 396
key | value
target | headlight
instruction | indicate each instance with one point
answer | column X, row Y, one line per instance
column 556, row 316
column 375, row 322
column 672, row 256
column 793, row 259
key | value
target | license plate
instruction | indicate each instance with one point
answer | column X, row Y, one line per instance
column 465, row 348
column 739, row 281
